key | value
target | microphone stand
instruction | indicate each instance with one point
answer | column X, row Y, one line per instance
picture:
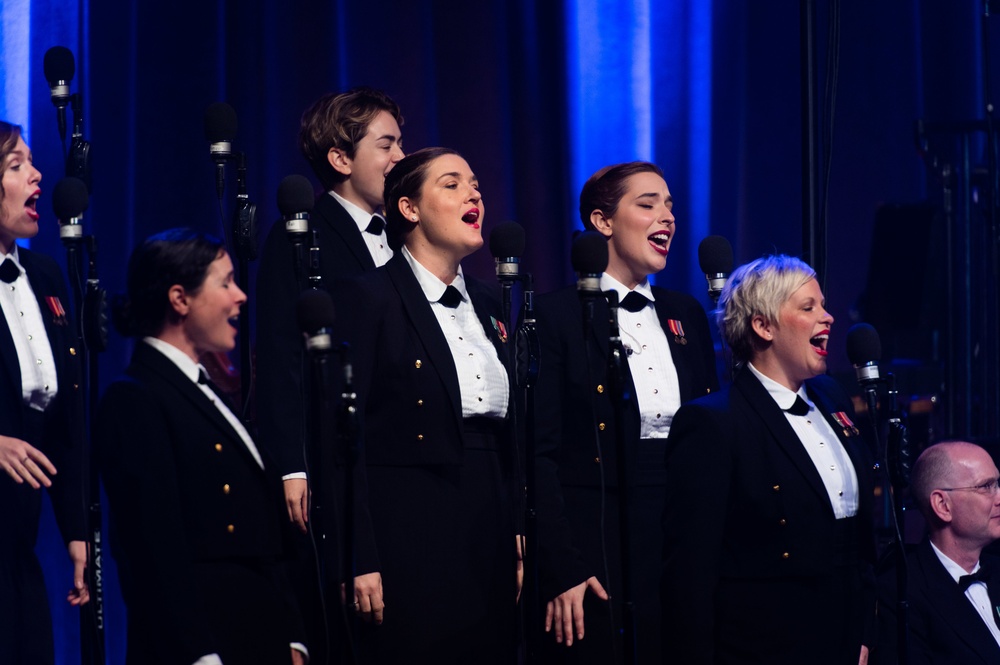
column 621, row 398
column 244, row 246
column 526, row 361
column 91, row 331
column 349, row 434
column 897, row 467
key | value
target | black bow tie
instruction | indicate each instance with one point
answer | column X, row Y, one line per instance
column 375, row 226
column 635, row 301
column 799, row 408
column 451, row 297
column 965, row 581
column 9, row 271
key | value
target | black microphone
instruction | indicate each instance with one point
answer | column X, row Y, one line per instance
column 221, row 125
column 864, row 351
column 295, row 201
column 589, row 257
column 69, row 200
column 59, row 66
column 715, row 256
column 507, row 246
column 315, row 315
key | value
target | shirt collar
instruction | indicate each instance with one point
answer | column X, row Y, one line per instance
column 784, row 397
column 190, row 368
column 360, row 216
column 433, row 287
column 609, row 283
column 955, row 570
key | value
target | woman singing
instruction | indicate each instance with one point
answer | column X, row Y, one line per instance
column 769, row 541
column 670, row 360
column 40, row 415
column 429, row 356
column 196, row 508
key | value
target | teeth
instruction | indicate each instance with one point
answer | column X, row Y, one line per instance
column 661, row 238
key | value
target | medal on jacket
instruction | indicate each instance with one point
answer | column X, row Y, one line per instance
column 58, row 313
column 501, row 330
column 844, row 421
column 678, row 330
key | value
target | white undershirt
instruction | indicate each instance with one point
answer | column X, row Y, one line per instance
column 482, row 378
column 976, row 593
column 825, row 450
column 378, row 245
column 657, row 389
column 39, row 383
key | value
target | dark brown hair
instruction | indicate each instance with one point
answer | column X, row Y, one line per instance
column 405, row 180
column 604, row 190
column 9, row 134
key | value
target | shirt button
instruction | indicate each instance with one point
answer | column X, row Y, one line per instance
column 656, row 391
column 840, row 493
column 479, row 376
column 833, row 467
column 38, row 361
column 30, row 337
column 480, row 399
column 471, row 354
column 461, row 339
column 638, row 325
column 643, row 347
column 657, row 415
column 452, row 317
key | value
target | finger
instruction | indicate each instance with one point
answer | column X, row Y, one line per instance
column 548, row 616
column 304, row 504
column 29, row 473
column 578, row 619
column 41, row 460
column 378, row 611
column 568, row 625
column 557, row 620
column 596, row 587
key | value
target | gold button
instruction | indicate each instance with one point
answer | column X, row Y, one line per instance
column 777, row 488
column 600, row 388
column 708, row 390
column 782, row 521
column 420, row 437
column 72, row 351
column 218, row 447
column 417, row 364
column 76, row 386
column 785, row 555
column 601, row 426
column 420, row 402
column 597, row 460
column 225, row 488
column 230, row 528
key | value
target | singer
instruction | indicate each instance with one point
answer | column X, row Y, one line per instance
column 768, row 519
column 196, row 522
column 430, row 354
column 670, row 361
column 41, row 415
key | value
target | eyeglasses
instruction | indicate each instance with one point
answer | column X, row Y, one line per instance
column 989, row 487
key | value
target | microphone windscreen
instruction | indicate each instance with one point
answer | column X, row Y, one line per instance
column 863, row 345
column 715, row 256
column 314, row 310
column 220, row 123
column 58, row 64
column 589, row 253
column 295, row 195
column 69, row 198
column 507, row 240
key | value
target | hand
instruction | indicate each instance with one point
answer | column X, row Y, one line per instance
column 297, row 501
column 368, row 597
column 863, row 658
column 24, row 462
column 298, row 658
column 520, row 567
column 565, row 611
column 79, row 594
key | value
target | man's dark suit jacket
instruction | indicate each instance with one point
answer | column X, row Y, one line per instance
column 572, row 403
column 196, row 525
column 944, row 627
column 280, row 397
column 24, row 616
column 751, row 573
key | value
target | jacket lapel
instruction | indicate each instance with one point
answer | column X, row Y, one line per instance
column 664, row 312
column 784, row 436
column 425, row 324
column 340, row 222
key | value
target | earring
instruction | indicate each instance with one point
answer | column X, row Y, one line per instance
column 414, row 218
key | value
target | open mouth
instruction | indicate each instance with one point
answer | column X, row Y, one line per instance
column 819, row 342
column 472, row 218
column 660, row 242
column 234, row 321
column 31, row 205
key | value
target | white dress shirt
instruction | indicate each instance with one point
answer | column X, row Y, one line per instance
column 39, row 384
column 825, row 450
column 650, row 362
column 482, row 378
column 976, row 593
column 378, row 245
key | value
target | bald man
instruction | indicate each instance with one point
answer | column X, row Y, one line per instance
column 953, row 589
